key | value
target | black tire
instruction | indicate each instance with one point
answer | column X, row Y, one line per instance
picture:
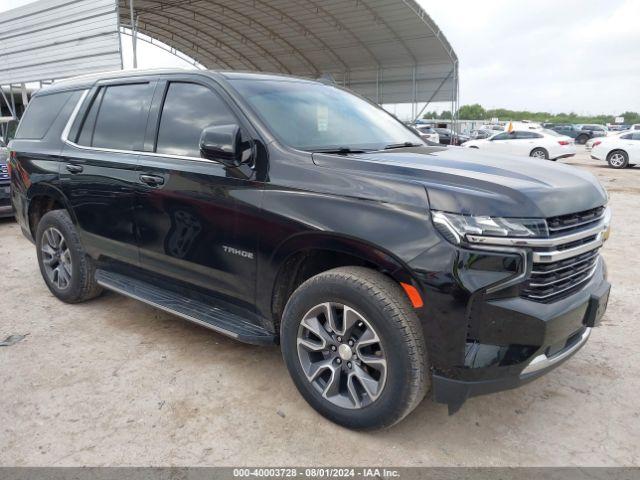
column 539, row 153
column 385, row 306
column 618, row 159
column 582, row 139
column 82, row 284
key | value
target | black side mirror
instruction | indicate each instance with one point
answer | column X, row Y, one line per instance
column 222, row 143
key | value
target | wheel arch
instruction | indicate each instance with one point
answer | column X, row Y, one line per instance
column 42, row 198
column 308, row 254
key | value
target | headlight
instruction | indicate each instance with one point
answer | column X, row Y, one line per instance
column 456, row 227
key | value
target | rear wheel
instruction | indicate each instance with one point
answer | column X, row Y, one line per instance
column 539, row 153
column 582, row 139
column 618, row 159
column 65, row 267
column 355, row 348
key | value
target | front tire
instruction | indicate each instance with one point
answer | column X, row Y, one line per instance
column 65, row 267
column 618, row 159
column 540, row 153
column 355, row 348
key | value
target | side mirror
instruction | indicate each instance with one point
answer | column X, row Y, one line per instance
column 222, row 143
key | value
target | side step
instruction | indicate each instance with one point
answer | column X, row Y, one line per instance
column 195, row 311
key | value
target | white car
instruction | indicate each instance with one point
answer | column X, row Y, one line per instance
column 545, row 144
column 618, row 151
column 427, row 132
column 635, row 126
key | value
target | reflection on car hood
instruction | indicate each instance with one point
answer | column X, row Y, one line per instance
column 473, row 182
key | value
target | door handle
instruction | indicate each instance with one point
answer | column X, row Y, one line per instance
column 152, row 180
column 74, row 168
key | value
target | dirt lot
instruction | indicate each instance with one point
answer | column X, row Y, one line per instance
column 115, row 382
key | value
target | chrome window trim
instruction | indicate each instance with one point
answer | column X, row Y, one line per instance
column 65, row 139
column 72, row 118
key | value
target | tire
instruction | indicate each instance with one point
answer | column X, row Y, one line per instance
column 540, row 153
column 58, row 248
column 582, row 139
column 378, row 309
column 618, row 159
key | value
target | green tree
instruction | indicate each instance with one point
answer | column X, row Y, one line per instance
column 472, row 112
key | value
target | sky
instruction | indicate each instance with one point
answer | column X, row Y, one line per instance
column 540, row 55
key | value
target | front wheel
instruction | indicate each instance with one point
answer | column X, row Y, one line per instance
column 355, row 348
column 618, row 159
column 540, row 153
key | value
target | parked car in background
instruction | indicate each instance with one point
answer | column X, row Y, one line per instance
column 618, row 128
column 449, row 137
column 427, row 133
column 493, row 127
column 5, row 191
column 635, row 126
column 545, row 144
column 619, row 151
column 481, row 134
column 578, row 133
column 596, row 129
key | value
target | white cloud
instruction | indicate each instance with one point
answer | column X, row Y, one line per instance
column 569, row 55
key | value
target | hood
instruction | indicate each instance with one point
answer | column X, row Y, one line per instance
column 468, row 181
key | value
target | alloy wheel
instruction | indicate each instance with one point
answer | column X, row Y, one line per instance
column 341, row 355
column 56, row 258
column 617, row 160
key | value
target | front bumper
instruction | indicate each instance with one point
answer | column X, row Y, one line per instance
column 468, row 382
column 483, row 339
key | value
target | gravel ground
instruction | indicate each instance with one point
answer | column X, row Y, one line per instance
column 115, row 382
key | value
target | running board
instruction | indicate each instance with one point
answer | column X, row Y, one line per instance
column 195, row 311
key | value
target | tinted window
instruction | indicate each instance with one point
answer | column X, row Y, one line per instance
column 631, row 136
column 188, row 109
column 40, row 114
column 504, row 136
column 121, row 117
column 627, row 136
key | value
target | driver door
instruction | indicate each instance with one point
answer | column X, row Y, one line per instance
column 197, row 220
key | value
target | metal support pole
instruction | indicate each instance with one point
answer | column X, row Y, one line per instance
column 433, row 95
column 415, row 95
column 134, row 33
column 25, row 96
column 13, row 101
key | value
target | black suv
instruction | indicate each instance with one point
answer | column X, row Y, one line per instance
column 581, row 134
column 280, row 210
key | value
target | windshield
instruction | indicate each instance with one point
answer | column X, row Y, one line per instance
column 312, row 116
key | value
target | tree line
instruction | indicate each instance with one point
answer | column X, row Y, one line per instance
column 477, row 112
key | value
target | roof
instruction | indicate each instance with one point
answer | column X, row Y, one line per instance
column 86, row 81
column 388, row 50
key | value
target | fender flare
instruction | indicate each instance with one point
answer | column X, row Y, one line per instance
column 308, row 241
column 46, row 190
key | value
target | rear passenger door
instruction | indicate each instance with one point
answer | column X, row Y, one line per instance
column 197, row 219
column 99, row 168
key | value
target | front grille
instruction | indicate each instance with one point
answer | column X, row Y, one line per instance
column 553, row 280
column 565, row 224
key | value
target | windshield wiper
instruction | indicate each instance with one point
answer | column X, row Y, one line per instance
column 339, row 150
column 402, row 145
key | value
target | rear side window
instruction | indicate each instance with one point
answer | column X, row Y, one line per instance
column 40, row 115
column 188, row 109
column 117, row 117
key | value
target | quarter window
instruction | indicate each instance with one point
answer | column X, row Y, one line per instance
column 40, row 115
column 188, row 109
